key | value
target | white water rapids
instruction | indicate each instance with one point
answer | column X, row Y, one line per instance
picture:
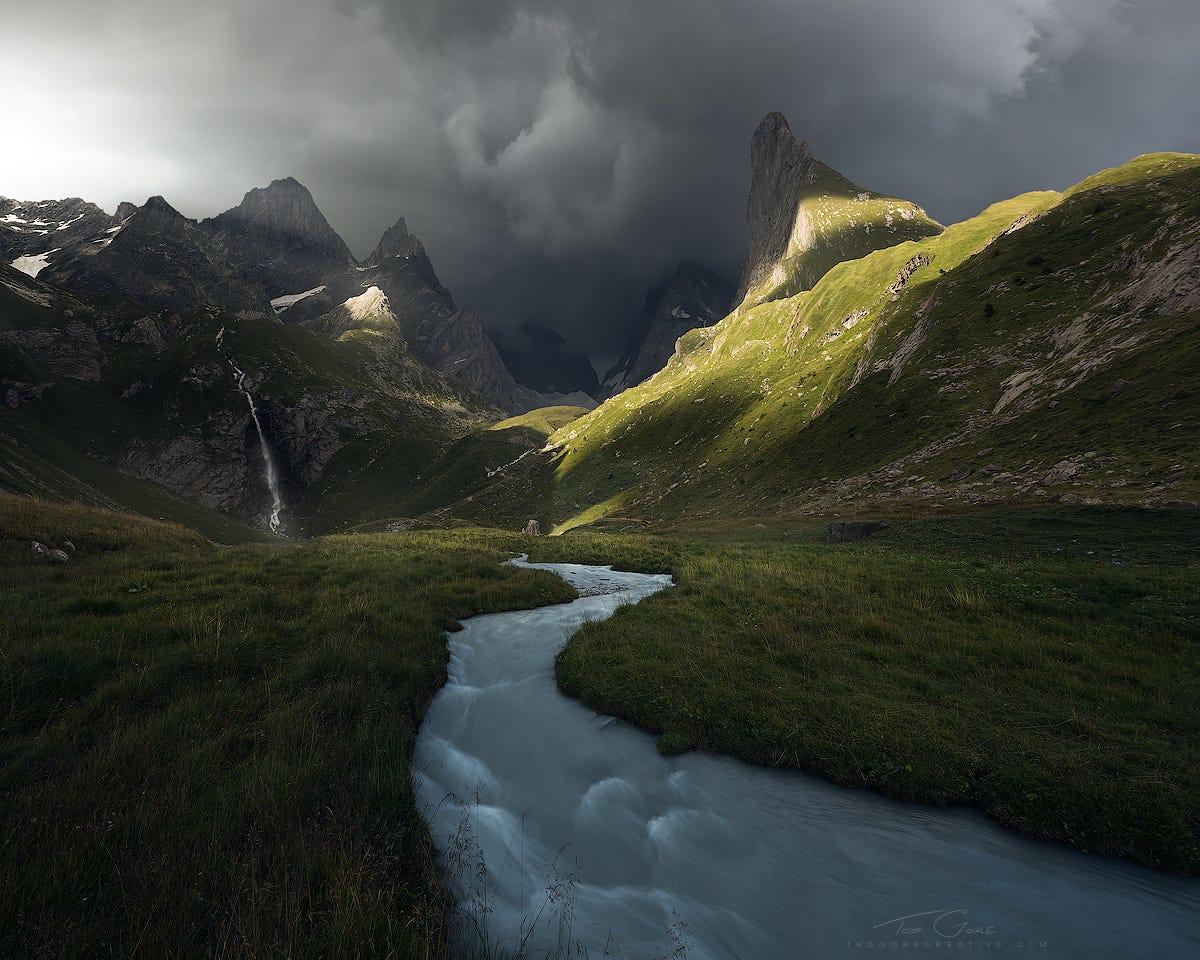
column 578, row 839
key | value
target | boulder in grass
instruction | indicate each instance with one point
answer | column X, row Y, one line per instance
column 847, row 531
column 533, row 529
column 50, row 554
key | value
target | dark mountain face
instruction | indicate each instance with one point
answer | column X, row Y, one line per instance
column 162, row 260
column 552, row 370
column 281, row 239
column 541, row 360
column 692, row 297
column 274, row 254
column 397, row 298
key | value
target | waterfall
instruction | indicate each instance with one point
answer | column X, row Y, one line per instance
column 269, row 468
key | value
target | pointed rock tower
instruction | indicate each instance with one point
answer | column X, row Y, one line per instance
column 803, row 217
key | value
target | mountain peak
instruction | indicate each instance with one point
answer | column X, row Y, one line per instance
column 772, row 125
column 158, row 204
column 284, row 202
column 156, row 213
column 282, row 185
column 287, row 242
column 803, row 217
column 395, row 242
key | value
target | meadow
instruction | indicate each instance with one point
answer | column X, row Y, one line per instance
column 204, row 751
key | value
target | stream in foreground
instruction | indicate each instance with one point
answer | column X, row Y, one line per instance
column 576, row 834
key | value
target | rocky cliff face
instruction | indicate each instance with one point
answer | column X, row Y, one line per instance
column 281, row 239
column 397, row 295
column 106, row 390
column 458, row 347
column 802, row 217
column 273, row 254
column 692, row 297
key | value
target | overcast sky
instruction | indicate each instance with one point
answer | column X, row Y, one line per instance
column 558, row 157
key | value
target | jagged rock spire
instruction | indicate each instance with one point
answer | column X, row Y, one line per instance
column 395, row 242
column 803, row 217
column 780, row 168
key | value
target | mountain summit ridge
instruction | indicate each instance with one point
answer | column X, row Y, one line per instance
column 273, row 255
column 803, row 217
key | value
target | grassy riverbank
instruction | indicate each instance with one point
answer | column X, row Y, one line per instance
column 204, row 752
column 1041, row 665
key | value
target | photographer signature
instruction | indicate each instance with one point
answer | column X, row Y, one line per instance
column 942, row 923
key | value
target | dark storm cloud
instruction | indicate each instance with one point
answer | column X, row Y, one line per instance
column 558, row 156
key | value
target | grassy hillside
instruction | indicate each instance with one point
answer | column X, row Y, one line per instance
column 404, row 483
column 1044, row 350
column 204, row 752
column 1040, row 665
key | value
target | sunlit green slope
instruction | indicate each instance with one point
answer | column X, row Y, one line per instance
column 1046, row 349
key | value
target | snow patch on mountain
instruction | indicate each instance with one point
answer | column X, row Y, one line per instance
column 35, row 264
column 279, row 304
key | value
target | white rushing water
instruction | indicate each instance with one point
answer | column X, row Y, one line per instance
column 270, row 471
column 578, row 839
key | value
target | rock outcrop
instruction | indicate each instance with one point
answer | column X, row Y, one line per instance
column 692, row 297
column 48, row 553
column 803, row 217
column 397, row 298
